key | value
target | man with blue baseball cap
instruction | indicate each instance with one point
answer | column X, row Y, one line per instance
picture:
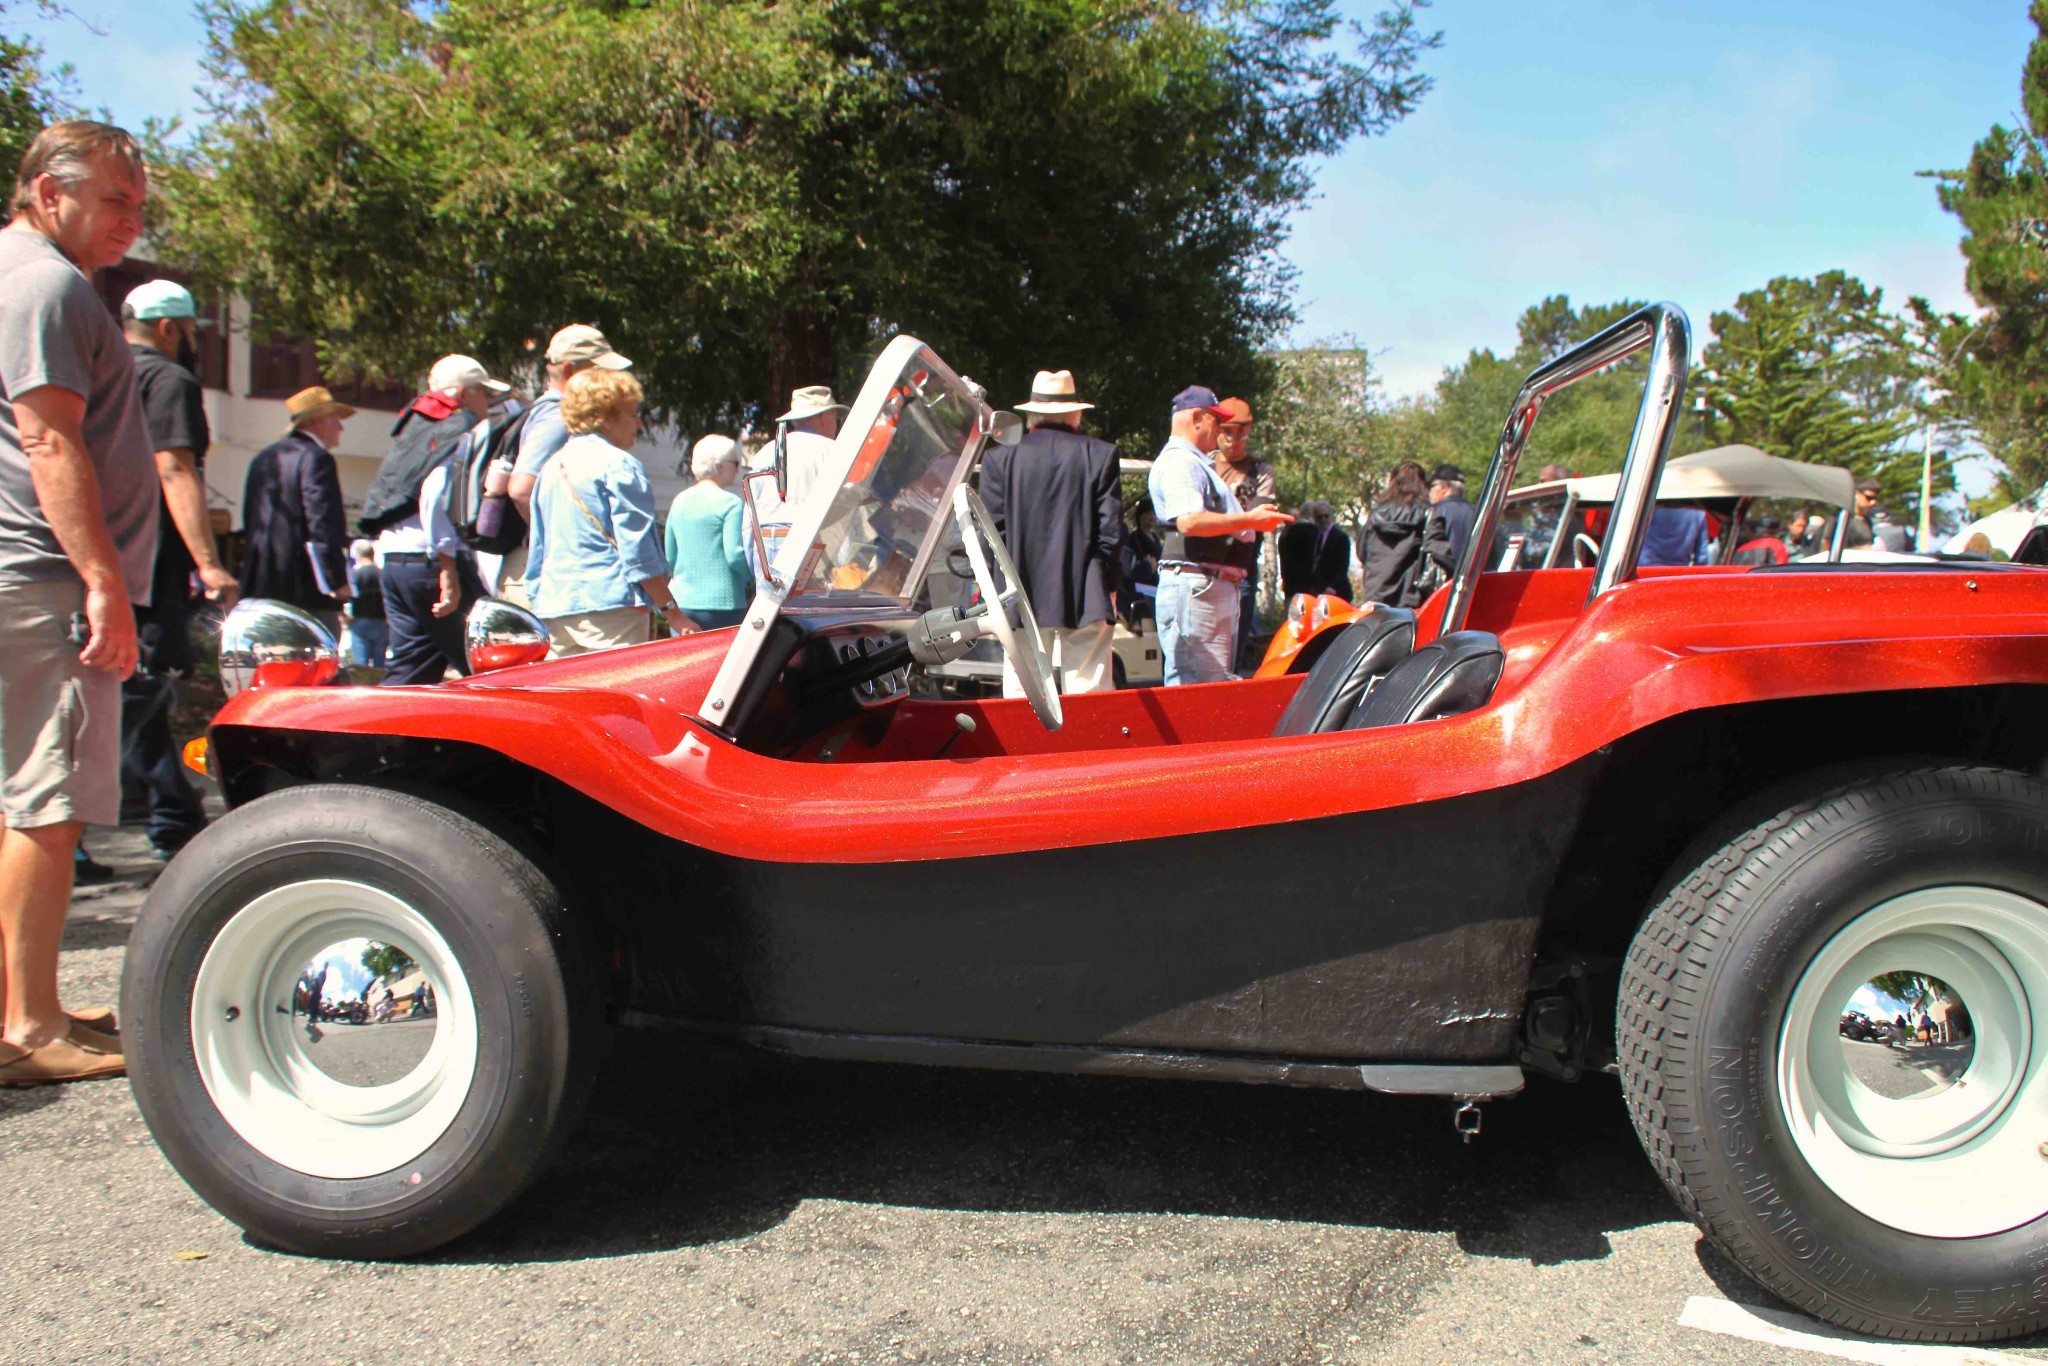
column 1209, row 543
column 161, row 321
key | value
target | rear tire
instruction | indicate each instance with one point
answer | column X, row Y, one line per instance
column 1894, row 1190
column 356, row 1022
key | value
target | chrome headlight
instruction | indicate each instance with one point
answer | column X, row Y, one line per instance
column 500, row 634
column 268, row 644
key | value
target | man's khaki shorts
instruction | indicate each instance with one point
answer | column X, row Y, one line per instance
column 606, row 630
column 60, row 722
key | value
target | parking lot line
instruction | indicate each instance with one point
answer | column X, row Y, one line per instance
column 1782, row 1328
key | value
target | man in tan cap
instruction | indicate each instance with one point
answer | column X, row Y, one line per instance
column 1057, row 499
column 296, row 547
column 576, row 348
column 1251, row 481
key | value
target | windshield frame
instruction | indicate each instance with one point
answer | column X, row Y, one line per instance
column 772, row 593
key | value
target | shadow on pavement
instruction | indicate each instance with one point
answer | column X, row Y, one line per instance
column 685, row 1144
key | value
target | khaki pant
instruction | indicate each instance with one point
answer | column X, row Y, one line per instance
column 512, row 577
column 60, row 722
column 1082, row 660
column 606, row 630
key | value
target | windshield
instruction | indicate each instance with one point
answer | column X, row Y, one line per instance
column 1534, row 521
column 910, row 436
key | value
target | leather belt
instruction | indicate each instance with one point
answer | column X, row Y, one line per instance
column 1227, row 572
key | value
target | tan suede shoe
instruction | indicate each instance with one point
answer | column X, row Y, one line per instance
column 99, row 1019
column 80, row 1055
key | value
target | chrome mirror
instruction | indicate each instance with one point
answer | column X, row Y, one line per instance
column 500, row 635
column 270, row 644
column 1004, row 427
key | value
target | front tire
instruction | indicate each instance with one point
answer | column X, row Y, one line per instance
column 356, row 1022
column 1897, row 1187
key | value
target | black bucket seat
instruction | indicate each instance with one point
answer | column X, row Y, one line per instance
column 1365, row 650
column 1451, row 674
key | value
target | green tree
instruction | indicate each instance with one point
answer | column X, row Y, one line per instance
column 750, row 195
column 1586, row 428
column 31, row 94
column 1817, row 369
column 1998, row 380
column 1318, row 421
column 387, row 961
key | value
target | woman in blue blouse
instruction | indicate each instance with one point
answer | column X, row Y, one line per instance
column 595, row 564
column 706, row 538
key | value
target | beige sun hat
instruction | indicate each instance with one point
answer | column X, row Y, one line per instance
column 459, row 372
column 582, row 344
column 810, row 402
column 1052, row 391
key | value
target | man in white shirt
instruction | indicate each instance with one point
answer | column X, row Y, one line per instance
column 418, row 552
column 807, row 434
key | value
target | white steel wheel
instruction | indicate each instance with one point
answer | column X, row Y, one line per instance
column 334, row 1028
column 1935, row 1126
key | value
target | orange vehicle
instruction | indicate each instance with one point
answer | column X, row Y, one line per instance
column 1313, row 621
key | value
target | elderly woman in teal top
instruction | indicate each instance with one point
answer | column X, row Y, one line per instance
column 706, row 538
column 595, row 564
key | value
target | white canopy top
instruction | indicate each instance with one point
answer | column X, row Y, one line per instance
column 1729, row 472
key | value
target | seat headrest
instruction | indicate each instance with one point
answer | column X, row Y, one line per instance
column 1451, row 674
column 1363, row 651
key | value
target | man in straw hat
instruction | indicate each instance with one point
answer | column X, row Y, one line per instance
column 296, row 535
column 807, row 433
column 1056, row 498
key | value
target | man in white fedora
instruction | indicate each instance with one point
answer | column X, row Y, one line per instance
column 1057, row 500
column 807, row 432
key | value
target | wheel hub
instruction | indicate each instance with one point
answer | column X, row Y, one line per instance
column 1908, row 1064
column 334, row 1029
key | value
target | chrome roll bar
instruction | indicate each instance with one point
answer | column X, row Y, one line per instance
column 1665, row 330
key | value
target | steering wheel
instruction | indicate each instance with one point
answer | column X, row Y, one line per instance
column 1585, row 550
column 1005, row 595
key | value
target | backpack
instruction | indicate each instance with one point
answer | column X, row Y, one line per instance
column 488, row 522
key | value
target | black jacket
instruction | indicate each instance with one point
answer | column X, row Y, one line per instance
column 1305, row 569
column 1453, row 532
column 292, row 515
column 1057, row 498
column 1390, row 553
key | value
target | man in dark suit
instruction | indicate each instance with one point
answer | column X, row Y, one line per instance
column 297, row 535
column 1057, row 499
column 1315, row 557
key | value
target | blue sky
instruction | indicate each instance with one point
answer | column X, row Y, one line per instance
column 1631, row 148
column 1653, row 150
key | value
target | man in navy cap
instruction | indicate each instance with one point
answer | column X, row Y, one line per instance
column 1209, row 544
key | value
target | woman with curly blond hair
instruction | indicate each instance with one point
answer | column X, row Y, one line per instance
column 596, row 564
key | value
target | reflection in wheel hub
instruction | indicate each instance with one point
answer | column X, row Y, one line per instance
column 365, row 1011
column 1907, row 1035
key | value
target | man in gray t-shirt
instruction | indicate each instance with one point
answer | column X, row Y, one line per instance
column 78, row 525
column 55, row 331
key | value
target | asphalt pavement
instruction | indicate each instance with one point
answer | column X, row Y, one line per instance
column 724, row 1207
